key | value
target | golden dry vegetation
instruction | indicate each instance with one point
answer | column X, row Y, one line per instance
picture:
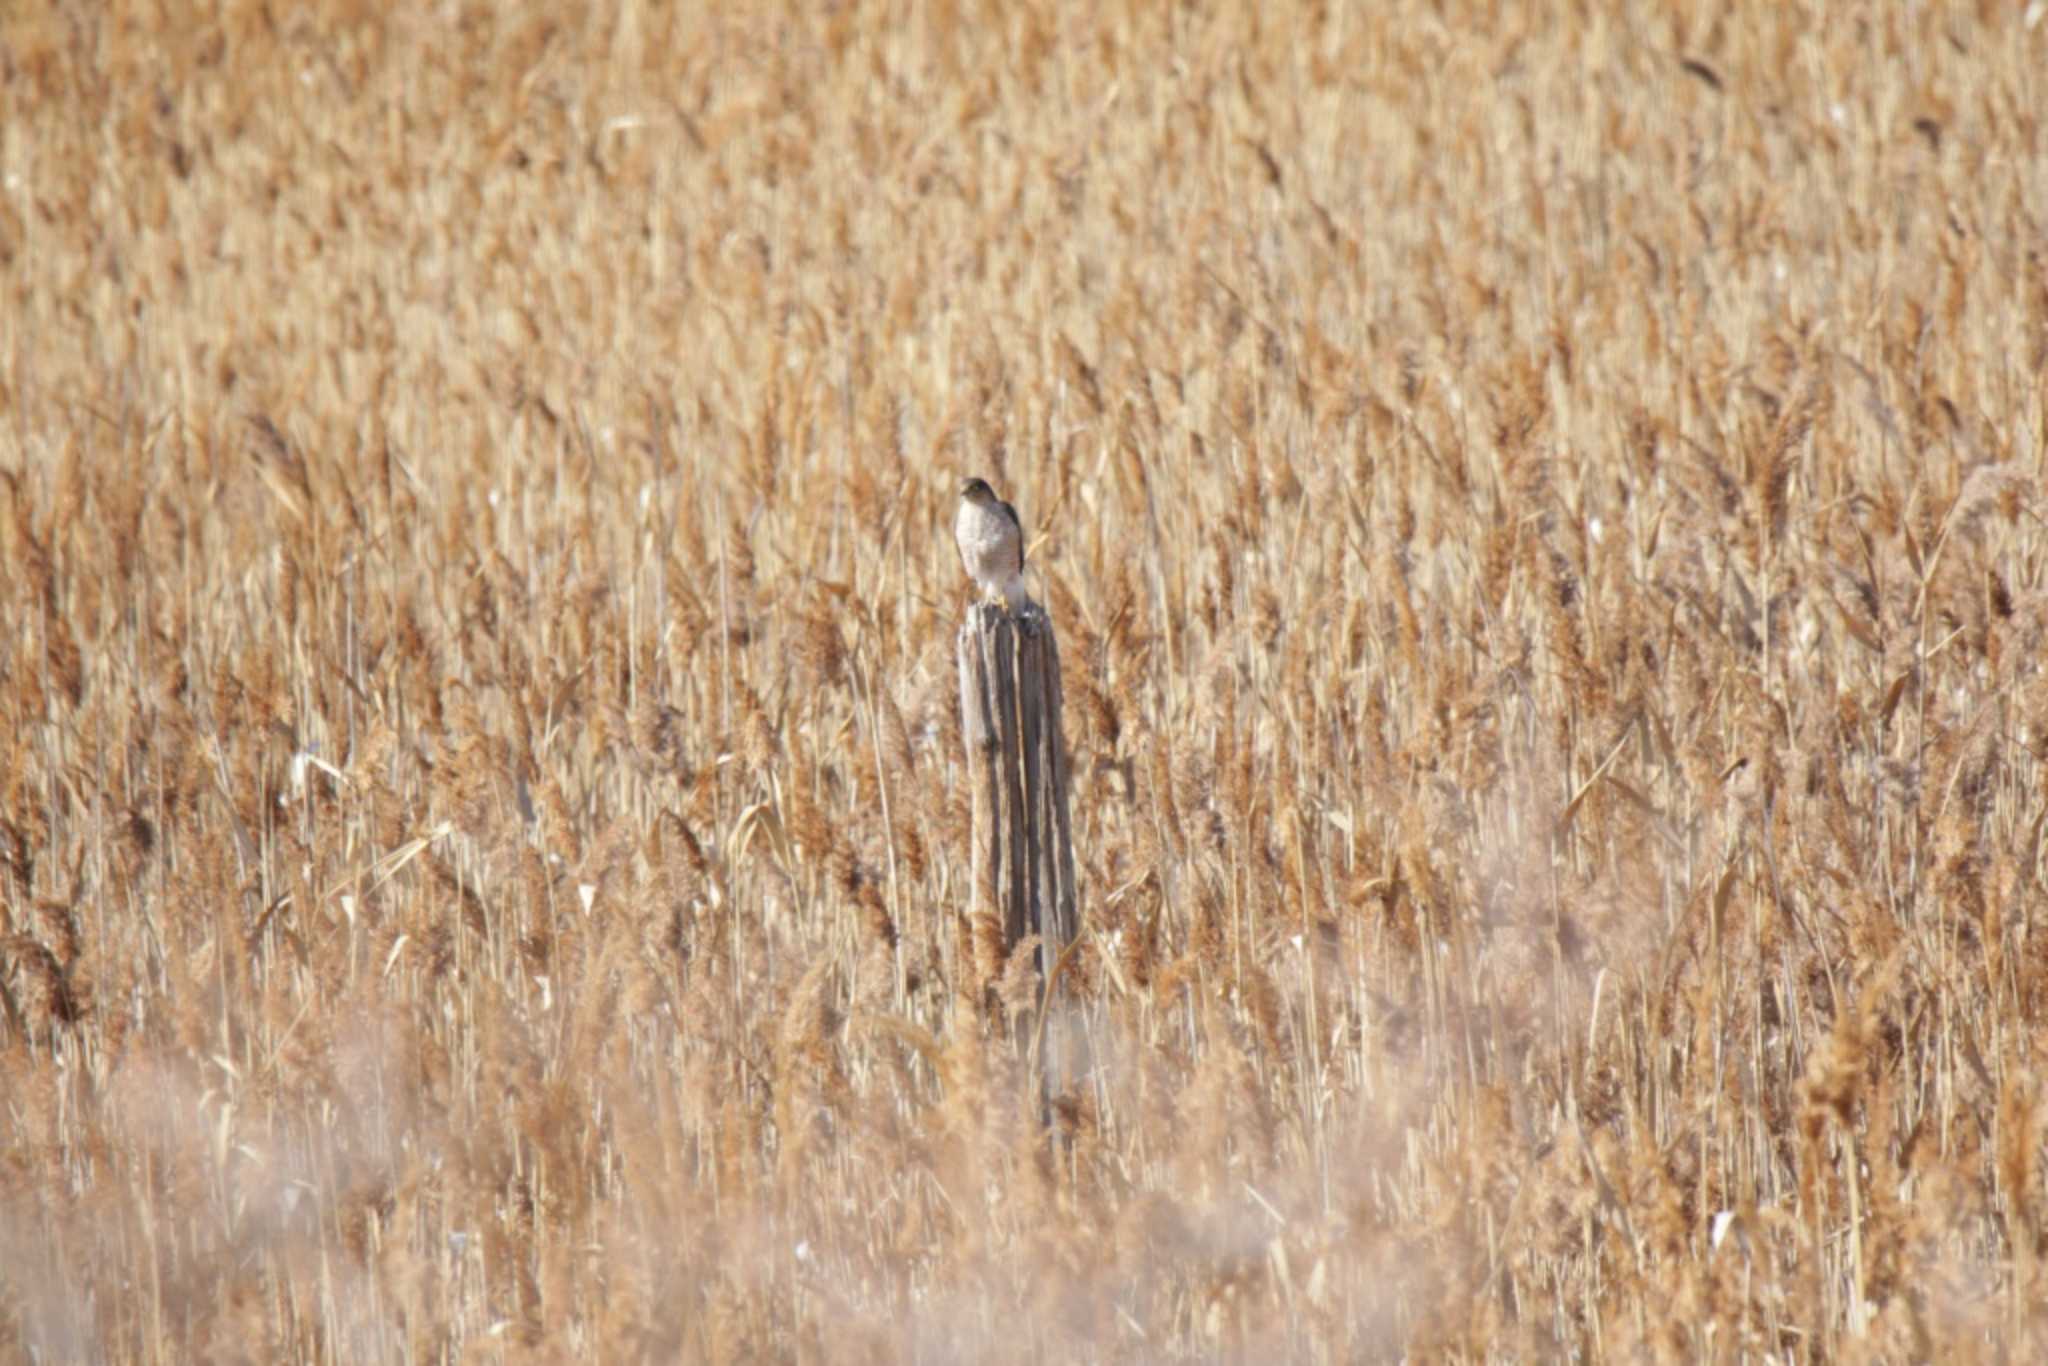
column 1543, row 511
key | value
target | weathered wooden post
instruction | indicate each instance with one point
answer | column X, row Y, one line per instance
column 1017, row 761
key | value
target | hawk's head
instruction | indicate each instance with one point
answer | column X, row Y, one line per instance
column 977, row 491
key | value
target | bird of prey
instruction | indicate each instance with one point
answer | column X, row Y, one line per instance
column 991, row 543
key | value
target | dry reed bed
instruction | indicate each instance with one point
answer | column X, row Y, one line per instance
column 1544, row 519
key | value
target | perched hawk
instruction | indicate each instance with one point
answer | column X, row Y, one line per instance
column 991, row 543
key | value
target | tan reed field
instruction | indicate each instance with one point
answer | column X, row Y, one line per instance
column 1543, row 513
